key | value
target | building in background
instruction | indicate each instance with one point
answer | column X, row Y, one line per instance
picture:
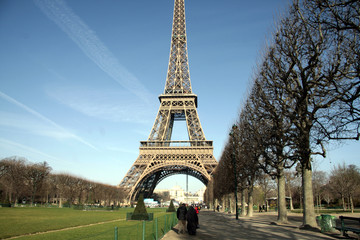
column 179, row 195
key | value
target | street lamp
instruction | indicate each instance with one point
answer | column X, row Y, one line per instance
column 232, row 134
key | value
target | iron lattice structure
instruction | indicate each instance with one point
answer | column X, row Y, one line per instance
column 159, row 156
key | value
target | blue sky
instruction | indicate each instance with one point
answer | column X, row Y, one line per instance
column 80, row 79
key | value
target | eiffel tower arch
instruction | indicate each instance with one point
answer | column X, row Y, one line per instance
column 159, row 156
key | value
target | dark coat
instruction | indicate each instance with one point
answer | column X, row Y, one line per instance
column 192, row 221
column 181, row 213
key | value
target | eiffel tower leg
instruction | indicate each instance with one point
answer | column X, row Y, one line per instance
column 193, row 124
column 161, row 129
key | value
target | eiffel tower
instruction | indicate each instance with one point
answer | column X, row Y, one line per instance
column 159, row 156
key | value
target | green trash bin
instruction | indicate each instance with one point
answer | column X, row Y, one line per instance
column 327, row 223
column 318, row 220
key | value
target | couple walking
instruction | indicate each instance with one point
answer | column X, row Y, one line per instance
column 188, row 215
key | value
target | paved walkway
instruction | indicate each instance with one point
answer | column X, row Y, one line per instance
column 215, row 225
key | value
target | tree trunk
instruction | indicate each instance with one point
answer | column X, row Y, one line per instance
column 60, row 201
column 213, row 203
column 309, row 211
column 10, row 196
column 233, row 204
column 33, row 193
column 243, row 203
column 282, row 211
column 290, row 195
column 250, row 209
column 230, row 196
column 317, row 204
column 351, row 203
column 223, row 203
column 265, row 201
column 343, row 202
column 301, row 201
column 291, row 204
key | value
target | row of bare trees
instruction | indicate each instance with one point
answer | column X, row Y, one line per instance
column 305, row 93
column 339, row 187
column 335, row 189
column 23, row 181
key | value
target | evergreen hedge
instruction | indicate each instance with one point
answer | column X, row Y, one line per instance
column 171, row 207
column 140, row 212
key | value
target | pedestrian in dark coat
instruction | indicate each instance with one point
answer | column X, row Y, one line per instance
column 181, row 216
column 192, row 220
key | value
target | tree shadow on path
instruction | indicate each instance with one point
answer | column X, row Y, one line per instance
column 214, row 225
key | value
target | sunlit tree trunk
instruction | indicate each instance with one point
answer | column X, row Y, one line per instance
column 232, row 203
column 282, row 211
column 60, row 201
column 243, row 203
column 250, row 209
column 343, row 202
column 309, row 210
column 351, row 203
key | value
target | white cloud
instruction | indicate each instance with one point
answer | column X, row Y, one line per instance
column 4, row 143
column 107, row 104
column 32, row 126
column 91, row 45
column 11, row 120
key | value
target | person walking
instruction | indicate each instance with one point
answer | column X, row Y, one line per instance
column 197, row 209
column 181, row 216
column 192, row 221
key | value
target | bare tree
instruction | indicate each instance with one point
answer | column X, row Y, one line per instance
column 353, row 176
column 307, row 63
column 22, row 180
column 81, row 187
column 67, row 190
column 13, row 171
column 251, row 148
column 223, row 177
column 328, row 194
column 319, row 181
column 338, row 23
column 224, row 174
column 35, row 177
column 267, row 185
column 345, row 181
column 338, row 182
column 209, row 194
column 274, row 131
column 290, row 176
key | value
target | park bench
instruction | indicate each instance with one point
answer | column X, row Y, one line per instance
column 352, row 224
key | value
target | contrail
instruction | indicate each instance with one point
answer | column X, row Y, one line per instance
column 91, row 45
column 18, row 145
column 42, row 117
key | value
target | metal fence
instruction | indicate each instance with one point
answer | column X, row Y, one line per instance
column 147, row 230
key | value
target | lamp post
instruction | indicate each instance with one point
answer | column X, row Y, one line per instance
column 232, row 134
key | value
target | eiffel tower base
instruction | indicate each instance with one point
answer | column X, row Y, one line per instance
column 158, row 160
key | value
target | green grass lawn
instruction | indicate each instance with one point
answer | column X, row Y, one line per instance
column 21, row 221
